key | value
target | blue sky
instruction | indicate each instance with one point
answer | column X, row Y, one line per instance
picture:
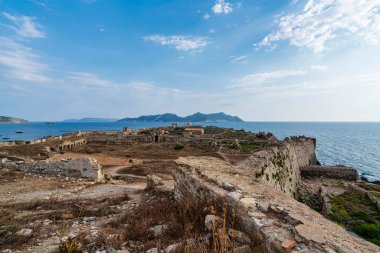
column 305, row 60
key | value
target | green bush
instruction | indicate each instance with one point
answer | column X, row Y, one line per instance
column 106, row 177
column 369, row 231
column 178, row 146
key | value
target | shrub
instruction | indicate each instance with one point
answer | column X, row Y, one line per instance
column 369, row 231
column 106, row 177
column 178, row 146
column 69, row 246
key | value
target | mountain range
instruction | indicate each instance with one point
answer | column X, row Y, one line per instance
column 197, row 117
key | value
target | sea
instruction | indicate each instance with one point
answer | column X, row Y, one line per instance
column 352, row 144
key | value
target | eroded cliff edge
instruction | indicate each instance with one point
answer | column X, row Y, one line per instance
column 279, row 164
column 270, row 215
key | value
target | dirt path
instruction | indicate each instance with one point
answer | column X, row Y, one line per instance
column 220, row 153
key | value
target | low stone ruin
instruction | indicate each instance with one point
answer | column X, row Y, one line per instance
column 78, row 167
column 336, row 172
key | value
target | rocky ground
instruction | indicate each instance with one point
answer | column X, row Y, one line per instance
column 132, row 210
column 353, row 205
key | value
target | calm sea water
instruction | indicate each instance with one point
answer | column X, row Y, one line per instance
column 351, row 144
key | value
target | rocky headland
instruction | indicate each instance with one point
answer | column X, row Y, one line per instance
column 8, row 120
column 181, row 189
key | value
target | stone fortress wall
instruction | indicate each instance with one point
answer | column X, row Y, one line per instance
column 279, row 165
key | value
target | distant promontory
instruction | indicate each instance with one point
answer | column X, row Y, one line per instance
column 197, row 117
column 11, row 120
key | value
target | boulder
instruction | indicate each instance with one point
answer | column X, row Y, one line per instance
column 242, row 249
column 239, row 236
column 152, row 181
column 212, row 219
column 158, row 230
column 173, row 248
column 288, row 244
column 24, row 232
column 153, row 250
column 234, row 196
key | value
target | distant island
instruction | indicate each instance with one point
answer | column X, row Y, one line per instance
column 11, row 120
column 197, row 117
column 90, row 120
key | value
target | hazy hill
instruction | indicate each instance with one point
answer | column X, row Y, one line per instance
column 197, row 117
column 4, row 119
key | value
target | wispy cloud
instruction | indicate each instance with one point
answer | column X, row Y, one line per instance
column 266, row 77
column 25, row 26
column 321, row 21
column 222, row 7
column 179, row 42
column 91, row 80
column 21, row 62
column 206, row 16
column 238, row 59
column 320, row 67
column 94, row 81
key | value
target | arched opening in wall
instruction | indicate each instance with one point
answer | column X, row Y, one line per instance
column 156, row 138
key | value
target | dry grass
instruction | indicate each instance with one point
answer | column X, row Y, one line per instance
column 185, row 220
column 9, row 224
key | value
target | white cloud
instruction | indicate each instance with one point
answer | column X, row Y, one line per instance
column 93, row 81
column 266, row 77
column 238, row 59
column 179, row 42
column 320, row 67
column 322, row 21
column 222, row 7
column 25, row 26
column 21, row 62
column 206, row 16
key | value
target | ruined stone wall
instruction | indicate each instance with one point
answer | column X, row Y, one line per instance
column 337, row 172
column 276, row 166
column 31, row 142
column 261, row 212
column 78, row 167
column 71, row 144
column 279, row 165
column 304, row 148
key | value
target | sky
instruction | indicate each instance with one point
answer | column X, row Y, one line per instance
column 262, row 60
